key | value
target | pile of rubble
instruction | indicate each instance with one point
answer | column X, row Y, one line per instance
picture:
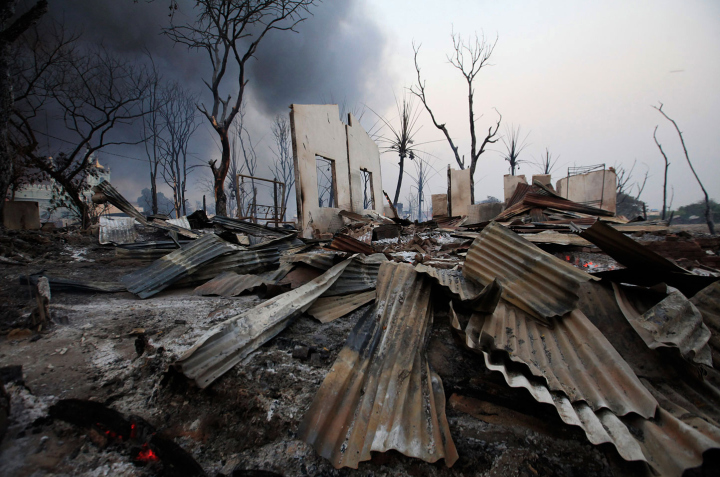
column 627, row 355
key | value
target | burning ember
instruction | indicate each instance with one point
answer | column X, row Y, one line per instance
column 146, row 454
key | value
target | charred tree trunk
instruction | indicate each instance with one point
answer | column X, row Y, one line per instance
column 220, row 174
column 399, row 183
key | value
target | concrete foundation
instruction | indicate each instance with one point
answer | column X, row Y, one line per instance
column 21, row 215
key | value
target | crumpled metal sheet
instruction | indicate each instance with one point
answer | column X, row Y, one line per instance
column 671, row 442
column 359, row 276
column 232, row 284
column 239, row 261
column 381, row 393
column 627, row 251
column 707, row 301
column 172, row 267
column 674, row 322
column 347, row 243
column 235, row 225
column 180, row 222
column 226, row 344
column 453, row 281
column 120, row 230
column 573, row 357
column 321, row 261
column 531, row 279
column 327, row 309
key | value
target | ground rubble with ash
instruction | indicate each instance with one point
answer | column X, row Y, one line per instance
column 248, row 419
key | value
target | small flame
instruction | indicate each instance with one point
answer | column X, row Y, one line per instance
column 147, row 454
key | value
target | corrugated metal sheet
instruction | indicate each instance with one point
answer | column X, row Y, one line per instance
column 380, row 393
column 674, row 322
column 626, row 250
column 557, row 239
column 235, row 225
column 180, row 222
column 708, row 302
column 279, row 243
column 359, row 276
column 228, row 343
column 328, row 309
column 232, row 284
column 453, row 281
column 347, row 243
column 672, row 441
column 321, row 261
column 540, row 200
column 116, row 199
column 533, row 280
column 574, row 357
column 172, row 267
column 238, row 261
column 119, row 231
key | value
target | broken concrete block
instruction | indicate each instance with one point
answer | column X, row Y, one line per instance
column 510, row 183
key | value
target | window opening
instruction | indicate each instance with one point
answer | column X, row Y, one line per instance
column 367, row 186
column 326, row 182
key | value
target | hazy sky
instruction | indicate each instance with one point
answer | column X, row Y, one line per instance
column 580, row 77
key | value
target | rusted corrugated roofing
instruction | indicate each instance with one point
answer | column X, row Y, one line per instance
column 347, row 243
column 118, row 231
column 322, row 261
column 574, row 357
column 239, row 261
column 674, row 322
column 381, row 394
column 672, row 441
column 233, row 284
column 228, row 343
column 360, row 275
column 543, row 200
column 172, row 267
column 533, row 280
column 331, row 308
column 707, row 301
column 250, row 228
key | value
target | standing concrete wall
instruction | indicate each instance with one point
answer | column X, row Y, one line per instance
column 317, row 131
column 597, row 188
column 459, row 192
column 484, row 212
column 510, row 183
column 439, row 205
column 363, row 154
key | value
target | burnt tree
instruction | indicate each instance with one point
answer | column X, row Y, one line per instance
column 667, row 165
column 11, row 29
column 514, row 144
column 469, row 57
column 708, row 210
column 229, row 31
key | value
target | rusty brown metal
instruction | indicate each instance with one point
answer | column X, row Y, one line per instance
column 330, row 308
column 381, row 394
column 346, row 243
column 232, row 284
column 535, row 281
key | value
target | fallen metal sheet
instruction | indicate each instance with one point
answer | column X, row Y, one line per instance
column 557, row 239
column 708, row 302
column 180, row 222
column 453, row 281
column 346, row 243
column 674, row 322
column 117, row 199
column 170, row 227
column 300, row 275
column 321, row 261
column 228, row 343
column 539, row 200
column 352, row 216
column 232, row 284
column 381, row 393
column 118, row 231
column 359, row 276
column 279, row 243
column 238, row 261
column 58, row 284
column 533, row 280
column 327, row 309
column 670, row 442
column 235, row 225
column 626, row 250
column 172, row 267
column 574, row 357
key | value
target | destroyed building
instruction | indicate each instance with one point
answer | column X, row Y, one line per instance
column 542, row 335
